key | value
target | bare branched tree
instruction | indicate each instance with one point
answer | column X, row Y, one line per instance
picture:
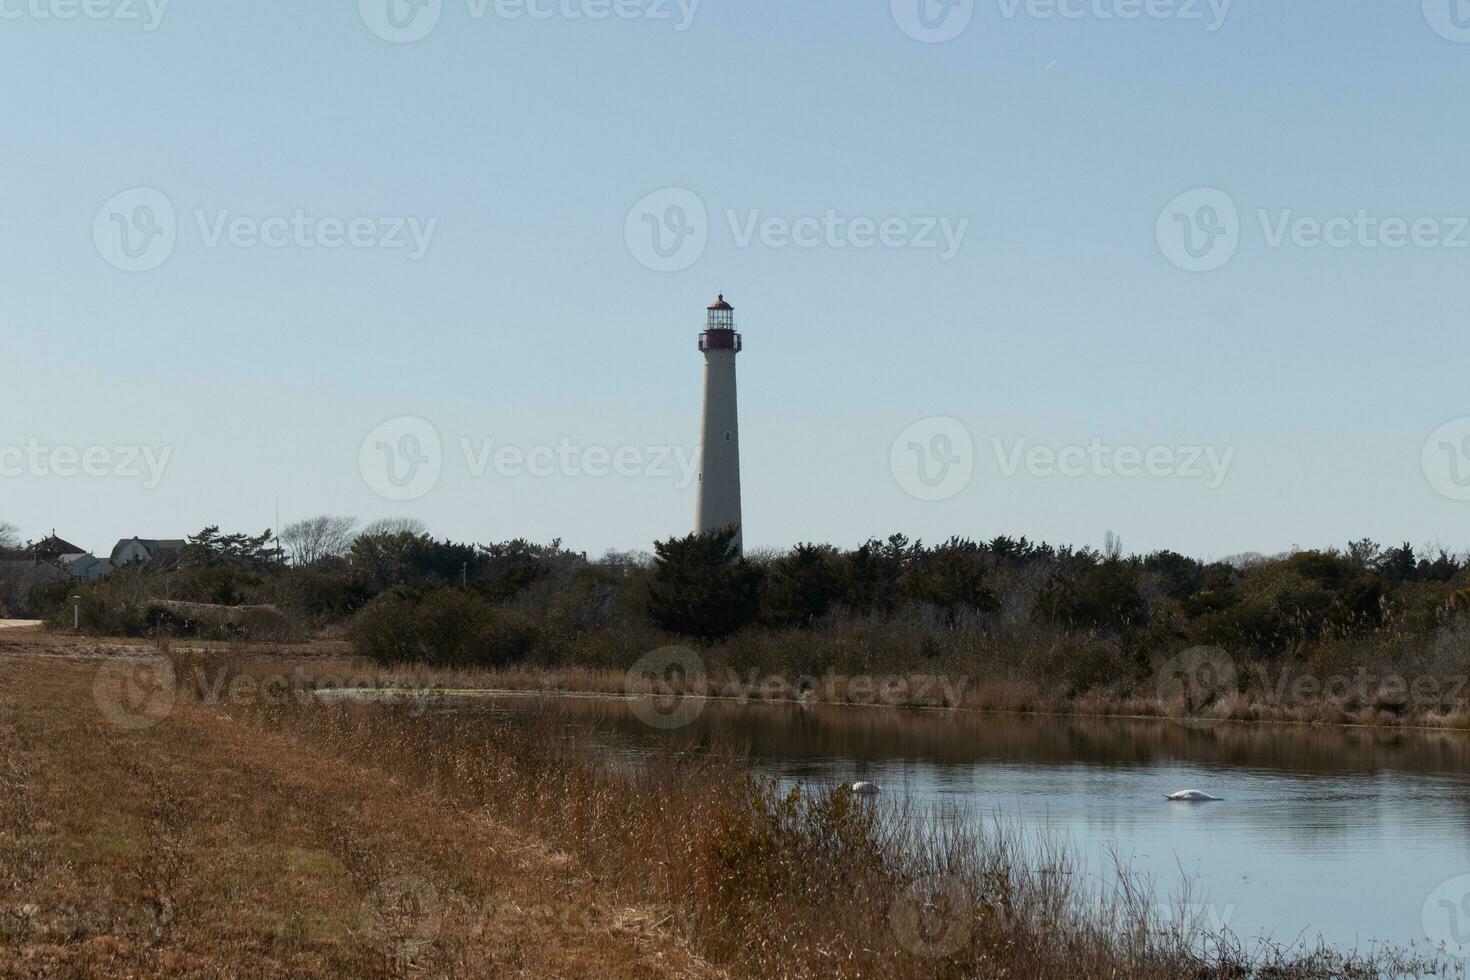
column 9, row 535
column 624, row 562
column 394, row 525
column 324, row 536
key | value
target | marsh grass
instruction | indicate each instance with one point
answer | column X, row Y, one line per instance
column 1266, row 696
column 770, row 881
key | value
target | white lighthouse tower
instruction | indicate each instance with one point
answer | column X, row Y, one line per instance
column 719, row 467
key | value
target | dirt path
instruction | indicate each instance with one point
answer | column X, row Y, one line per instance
column 190, row 845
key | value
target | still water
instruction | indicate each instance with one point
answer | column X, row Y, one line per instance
column 1340, row 833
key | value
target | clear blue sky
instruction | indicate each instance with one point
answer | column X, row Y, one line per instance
column 529, row 320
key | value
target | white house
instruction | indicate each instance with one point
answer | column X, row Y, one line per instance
column 135, row 550
column 86, row 568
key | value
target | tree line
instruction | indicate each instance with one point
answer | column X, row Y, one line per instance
column 402, row 594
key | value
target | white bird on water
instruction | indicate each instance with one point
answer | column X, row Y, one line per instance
column 866, row 789
column 1191, row 796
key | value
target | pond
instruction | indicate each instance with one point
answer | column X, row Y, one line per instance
column 1352, row 835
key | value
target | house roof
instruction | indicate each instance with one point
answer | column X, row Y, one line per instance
column 87, row 559
column 154, row 546
column 55, row 545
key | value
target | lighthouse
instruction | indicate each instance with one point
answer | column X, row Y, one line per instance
column 719, row 467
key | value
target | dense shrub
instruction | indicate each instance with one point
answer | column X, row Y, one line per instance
column 950, row 578
column 800, row 587
column 405, row 557
column 217, row 585
column 702, row 587
column 318, row 594
column 444, row 627
column 1103, row 596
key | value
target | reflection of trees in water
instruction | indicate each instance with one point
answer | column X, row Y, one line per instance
column 963, row 754
column 801, row 733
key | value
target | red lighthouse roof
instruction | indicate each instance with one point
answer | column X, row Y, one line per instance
column 720, row 304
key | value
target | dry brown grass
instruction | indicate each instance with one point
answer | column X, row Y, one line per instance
column 290, row 837
column 1257, row 704
column 201, row 847
column 773, row 884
